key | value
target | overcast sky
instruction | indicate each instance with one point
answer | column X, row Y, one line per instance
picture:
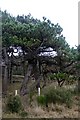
column 64, row 12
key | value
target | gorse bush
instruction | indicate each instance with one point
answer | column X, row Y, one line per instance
column 58, row 95
column 14, row 104
column 41, row 100
column 67, row 97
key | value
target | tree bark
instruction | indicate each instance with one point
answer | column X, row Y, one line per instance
column 37, row 73
column 23, row 89
column 4, row 73
column 33, row 68
column 4, row 81
column 60, row 82
column 10, row 75
column 11, row 67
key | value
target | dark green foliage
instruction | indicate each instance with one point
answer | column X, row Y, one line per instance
column 14, row 104
column 31, row 32
column 52, row 77
column 59, row 75
column 33, row 35
column 41, row 100
column 23, row 114
column 59, row 95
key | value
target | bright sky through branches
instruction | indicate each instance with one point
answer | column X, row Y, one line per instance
column 64, row 12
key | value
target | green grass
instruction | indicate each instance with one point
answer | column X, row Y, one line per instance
column 59, row 95
column 41, row 100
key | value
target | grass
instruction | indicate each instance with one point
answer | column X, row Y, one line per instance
column 41, row 100
column 59, row 95
column 23, row 114
column 45, row 92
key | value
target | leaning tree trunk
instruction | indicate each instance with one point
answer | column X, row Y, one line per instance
column 4, row 81
column 24, row 89
column 10, row 73
column 37, row 73
column 33, row 68
column 11, row 68
column 4, row 73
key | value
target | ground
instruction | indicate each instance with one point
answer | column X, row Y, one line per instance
column 36, row 111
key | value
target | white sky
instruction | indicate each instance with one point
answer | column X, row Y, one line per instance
column 64, row 12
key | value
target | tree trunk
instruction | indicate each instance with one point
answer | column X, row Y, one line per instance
column 24, row 89
column 4, row 73
column 33, row 68
column 11, row 67
column 44, row 78
column 10, row 74
column 23, row 65
column 37, row 73
column 60, row 82
column 4, row 80
column 8, row 69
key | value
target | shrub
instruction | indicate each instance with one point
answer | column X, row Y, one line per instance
column 23, row 114
column 14, row 104
column 67, row 98
column 75, row 91
column 71, row 79
column 60, row 77
column 58, row 96
column 41, row 100
column 52, row 76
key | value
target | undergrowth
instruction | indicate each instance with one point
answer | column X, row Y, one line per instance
column 58, row 95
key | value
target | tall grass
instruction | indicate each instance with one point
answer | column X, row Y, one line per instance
column 59, row 95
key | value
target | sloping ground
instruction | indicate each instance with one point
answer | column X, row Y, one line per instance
column 53, row 111
column 57, row 112
column 35, row 111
